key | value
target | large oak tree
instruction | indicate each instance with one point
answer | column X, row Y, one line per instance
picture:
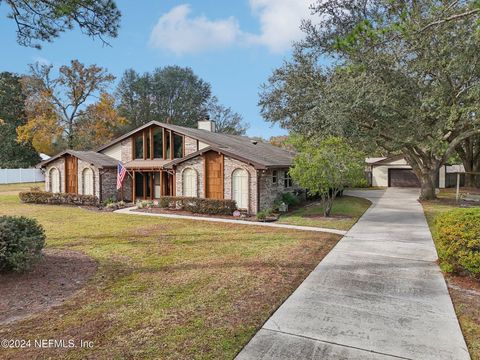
column 402, row 76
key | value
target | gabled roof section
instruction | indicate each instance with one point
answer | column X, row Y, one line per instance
column 97, row 159
column 389, row 159
column 262, row 155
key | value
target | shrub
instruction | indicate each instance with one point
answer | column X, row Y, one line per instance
column 115, row 205
column 198, row 205
column 145, row 205
column 264, row 214
column 261, row 215
column 110, row 200
column 35, row 188
column 458, row 235
column 290, row 199
column 21, row 242
column 45, row 197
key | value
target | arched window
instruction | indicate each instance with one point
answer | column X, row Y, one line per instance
column 240, row 188
column 54, row 178
column 189, row 180
column 87, row 182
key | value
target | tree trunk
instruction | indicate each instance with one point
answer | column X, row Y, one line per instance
column 427, row 183
column 426, row 169
column 469, row 152
column 327, row 202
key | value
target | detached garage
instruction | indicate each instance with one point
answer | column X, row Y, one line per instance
column 394, row 171
column 402, row 178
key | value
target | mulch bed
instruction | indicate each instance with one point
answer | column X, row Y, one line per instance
column 188, row 213
column 50, row 282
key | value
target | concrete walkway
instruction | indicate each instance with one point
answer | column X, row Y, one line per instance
column 130, row 211
column 377, row 295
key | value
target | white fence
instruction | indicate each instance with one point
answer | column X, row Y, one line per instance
column 12, row 176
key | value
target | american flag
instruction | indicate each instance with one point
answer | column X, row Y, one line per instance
column 121, row 172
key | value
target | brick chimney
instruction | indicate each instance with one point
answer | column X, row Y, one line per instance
column 207, row 124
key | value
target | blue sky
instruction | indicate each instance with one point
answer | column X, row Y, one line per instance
column 234, row 45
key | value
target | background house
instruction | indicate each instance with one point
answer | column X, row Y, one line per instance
column 394, row 171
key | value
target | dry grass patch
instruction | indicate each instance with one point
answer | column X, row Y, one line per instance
column 165, row 288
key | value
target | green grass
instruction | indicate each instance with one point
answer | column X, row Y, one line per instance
column 13, row 189
column 467, row 306
column 345, row 213
column 164, row 288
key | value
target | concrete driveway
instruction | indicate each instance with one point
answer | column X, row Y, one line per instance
column 377, row 295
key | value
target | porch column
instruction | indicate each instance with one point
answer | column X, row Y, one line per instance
column 133, row 187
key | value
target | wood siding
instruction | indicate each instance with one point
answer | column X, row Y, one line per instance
column 214, row 175
column 71, row 174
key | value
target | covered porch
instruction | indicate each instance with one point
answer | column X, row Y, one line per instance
column 150, row 180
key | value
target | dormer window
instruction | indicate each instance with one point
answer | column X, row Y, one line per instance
column 177, row 146
column 138, row 148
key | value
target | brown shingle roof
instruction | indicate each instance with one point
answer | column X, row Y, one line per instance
column 262, row 155
column 97, row 159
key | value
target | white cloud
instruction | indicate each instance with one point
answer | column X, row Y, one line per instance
column 178, row 33
column 279, row 20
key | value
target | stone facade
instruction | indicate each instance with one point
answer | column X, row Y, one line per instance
column 191, row 145
column 196, row 164
column 108, row 178
column 230, row 165
column 261, row 183
column 270, row 191
column 82, row 165
column 127, row 150
column 60, row 165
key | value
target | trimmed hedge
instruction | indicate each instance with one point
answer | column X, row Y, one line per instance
column 458, row 235
column 45, row 197
column 198, row 205
column 21, row 242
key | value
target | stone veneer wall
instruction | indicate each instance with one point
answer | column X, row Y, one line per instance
column 230, row 166
column 82, row 165
column 60, row 165
column 127, row 150
column 108, row 180
column 196, row 164
column 270, row 191
column 267, row 190
column 190, row 145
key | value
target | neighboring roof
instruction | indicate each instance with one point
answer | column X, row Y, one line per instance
column 44, row 156
column 372, row 160
column 388, row 160
column 146, row 164
column 260, row 154
column 97, row 159
column 453, row 169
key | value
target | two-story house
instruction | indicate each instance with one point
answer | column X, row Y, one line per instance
column 169, row 160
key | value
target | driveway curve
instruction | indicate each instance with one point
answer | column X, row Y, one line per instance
column 379, row 294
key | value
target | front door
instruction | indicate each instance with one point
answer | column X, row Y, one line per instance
column 71, row 174
column 213, row 175
column 167, row 184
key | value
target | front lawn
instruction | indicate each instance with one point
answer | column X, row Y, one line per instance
column 164, row 288
column 13, row 189
column 346, row 211
column 465, row 292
